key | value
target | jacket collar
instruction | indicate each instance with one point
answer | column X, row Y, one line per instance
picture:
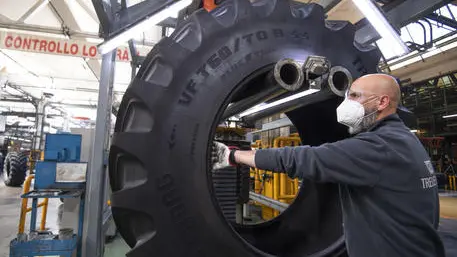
column 391, row 119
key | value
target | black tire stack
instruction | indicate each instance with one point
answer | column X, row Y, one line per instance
column 15, row 169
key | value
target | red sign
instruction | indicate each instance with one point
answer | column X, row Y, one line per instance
column 49, row 45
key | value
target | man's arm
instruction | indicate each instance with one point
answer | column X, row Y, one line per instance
column 245, row 157
column 355, row 161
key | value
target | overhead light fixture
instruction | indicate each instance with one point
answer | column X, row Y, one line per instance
column 450, row 116
column 382, row 26
column 414, row 130
column 262, row 107
column 134, row 31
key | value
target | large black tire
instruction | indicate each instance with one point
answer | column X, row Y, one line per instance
column 6, row 165
column 15, row 169
column 163, row 201
column 2, row 162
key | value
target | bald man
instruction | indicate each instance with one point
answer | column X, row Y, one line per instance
column 388, row 189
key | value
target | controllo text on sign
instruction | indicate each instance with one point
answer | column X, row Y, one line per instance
column 59, row 46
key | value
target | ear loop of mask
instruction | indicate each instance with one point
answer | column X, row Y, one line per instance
column 367, row 115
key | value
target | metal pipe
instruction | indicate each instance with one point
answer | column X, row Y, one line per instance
column 287, row 75
column 24, row 203
column 39, row 123
column 289, row 106
column 265, row 95
column 257, row 182
column 38, row 206
column 279, row 179
column 286, row 197
column 296, row 190
column 337, row 82
column 282, row 187
column 44, row 214
column 276, row 190
column 33, row 214
column 95, row 187
column 277, row 205
column 339, row 79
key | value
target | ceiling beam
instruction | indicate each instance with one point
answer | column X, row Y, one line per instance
column 442, row 63
column 49, row 30
column 33, row 10
column 403, row 14
column 15, row 100
column 69, row 20
column 95, row 67
column 19, row 114
column 88, row 10
column 5, row 19
column 443, row 20
column 63, row 11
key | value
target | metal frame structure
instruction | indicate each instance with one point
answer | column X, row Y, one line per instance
column 431, row 100
column 399, row 16
column 93, row 232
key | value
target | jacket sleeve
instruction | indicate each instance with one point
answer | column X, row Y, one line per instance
column 354, row 161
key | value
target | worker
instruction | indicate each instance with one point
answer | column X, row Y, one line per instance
column 388, row 189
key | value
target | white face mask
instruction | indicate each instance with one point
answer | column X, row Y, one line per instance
column 352, row 113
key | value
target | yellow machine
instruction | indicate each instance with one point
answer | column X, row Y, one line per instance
column 276, row 186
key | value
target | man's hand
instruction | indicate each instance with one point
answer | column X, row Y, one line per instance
column 220, row 154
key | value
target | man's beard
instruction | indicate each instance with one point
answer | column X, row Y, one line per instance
column 367, row 122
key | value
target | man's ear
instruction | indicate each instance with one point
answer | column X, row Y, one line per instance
column 384, row 102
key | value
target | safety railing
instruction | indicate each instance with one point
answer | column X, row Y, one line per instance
column 25, row 208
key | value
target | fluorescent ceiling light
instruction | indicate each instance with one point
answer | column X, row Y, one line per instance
column 130, row 33
column 264, row 106
column 382, row 26
column 414, row 130
column 450, row 116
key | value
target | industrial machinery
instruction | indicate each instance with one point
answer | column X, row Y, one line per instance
column 280, row 190
column 59, row 175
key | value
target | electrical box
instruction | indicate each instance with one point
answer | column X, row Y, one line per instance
column 61, row 167
column 62, row 148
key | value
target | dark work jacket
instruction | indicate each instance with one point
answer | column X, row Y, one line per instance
column 388, row 190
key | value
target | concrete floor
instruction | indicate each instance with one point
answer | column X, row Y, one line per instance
column 10, row 209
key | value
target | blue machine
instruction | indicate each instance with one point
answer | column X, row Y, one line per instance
column 62, row 152
column 60, row 175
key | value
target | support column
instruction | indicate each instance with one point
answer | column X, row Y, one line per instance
column 93, row 239
column 39, row 123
